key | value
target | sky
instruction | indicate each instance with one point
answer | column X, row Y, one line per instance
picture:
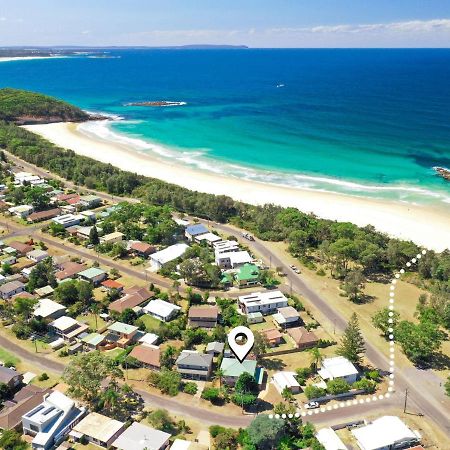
column 256, row 23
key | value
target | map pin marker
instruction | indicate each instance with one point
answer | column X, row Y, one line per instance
column 241, row 350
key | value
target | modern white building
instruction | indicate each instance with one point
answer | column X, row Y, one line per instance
column 171, row 253
column 330, row 440
column 161, row 310
column 225, row 247
column 385, row 433
column 233, row 260
column 263, row 302
column 209, row 238
column 338, row 367
column 51, row 421
column 68, row 220
column 67, row 327
column 283, row 380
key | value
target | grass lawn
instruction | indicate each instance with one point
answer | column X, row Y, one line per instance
column 114, row 352
column 90, row 320
column 150, row 322
column 7, row 357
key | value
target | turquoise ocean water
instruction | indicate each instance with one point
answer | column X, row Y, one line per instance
column 363, row 122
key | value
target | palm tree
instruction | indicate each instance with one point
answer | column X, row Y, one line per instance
column 110, row 397
column 316, row 357
column 95, row 310
column 218, row 375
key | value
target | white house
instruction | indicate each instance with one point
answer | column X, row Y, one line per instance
column 21, row 211
column 385, row 433
column 161, row 310
column 51, row 421
column 48, row 309
column 112, row 238
column 37, row 255
column 283, row 380
column 263, row 302
column 68, row 220
column 338, row 367
column 330, row 440
column 141, row 437
column 67, row 327
column 225, row 247
column 233, row 260
column 171, row 253
column 209, row 238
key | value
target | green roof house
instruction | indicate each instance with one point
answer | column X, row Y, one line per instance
column 233, row 369
column 93, row 275
column 247, row 275
column 93, row 340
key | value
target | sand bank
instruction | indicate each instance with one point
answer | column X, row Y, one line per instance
column 426, row 225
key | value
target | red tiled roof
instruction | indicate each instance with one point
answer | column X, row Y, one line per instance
column 69, row 269
column 133, row 297
column 202, row 312
column 66, row 197
column 147, row 354
column 272, row 334
column 21, row 247
column 302, row 336
column 112, row 284
column 42, row 215
column 142, row 247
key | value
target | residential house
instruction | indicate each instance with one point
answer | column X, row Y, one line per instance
column 10, row 377
column 37, row 255
column 10, row 289
column 181, row 444
column 98, row 429
column 142, row 249
column 43, row 215
column 65, row 198
column 385, row 433
column 44, row 291
column 23, row 401
column 47, row 310
column 225, row 247
column 112, row 238
column 209, row 238
column 80, row 232
column 51, row 421
column 69, row 269
column 303, row 338
column 149, row 338
column 233, row 369
column 161, row 310
column 273, row 336
column 247, row 275
column 141, row 437
column 287, row 317
column 68, row 220
column 121, row 334
column 215, row 348
column 286, row 380
column 263, row 302
column 21, row 248
column 93, row 341
column 338, row 367
column 21, row 211
column 147, row 355
column 195, row 230
column 133, row 297
column 90, row 201
column 112, row 285
column 171, row 253
column 93, row 275
column 233, row 260
column 88, row 215
column 67, row 328
column 330, row 440
column 203, row 316
column 194, row 365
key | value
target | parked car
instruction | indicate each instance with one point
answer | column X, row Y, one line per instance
column 312, row 405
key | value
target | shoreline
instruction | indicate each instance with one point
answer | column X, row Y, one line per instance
column 26, row 58
column 405, row 221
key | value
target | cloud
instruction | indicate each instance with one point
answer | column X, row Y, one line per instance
column 3, row 19
column 85, row 32
column 415, row 26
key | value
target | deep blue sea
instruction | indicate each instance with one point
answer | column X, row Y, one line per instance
column 364, row 122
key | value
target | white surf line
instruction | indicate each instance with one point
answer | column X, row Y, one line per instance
column 374, row 398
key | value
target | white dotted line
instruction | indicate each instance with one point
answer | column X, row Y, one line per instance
column 391, row 382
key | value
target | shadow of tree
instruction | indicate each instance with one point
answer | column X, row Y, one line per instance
column 273, row 364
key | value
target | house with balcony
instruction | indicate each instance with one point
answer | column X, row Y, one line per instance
column 264, row 302
column 194, row 365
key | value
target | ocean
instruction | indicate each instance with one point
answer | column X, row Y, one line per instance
column 365, row 122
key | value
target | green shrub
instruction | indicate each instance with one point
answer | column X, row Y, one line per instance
column 314, row 392
column 43, row 376
column 337, row 386
column 190, row 388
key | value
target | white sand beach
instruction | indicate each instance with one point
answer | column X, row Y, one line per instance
column 428, row 226
column 25, row 58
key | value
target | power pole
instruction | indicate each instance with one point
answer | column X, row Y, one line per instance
column 406, row 400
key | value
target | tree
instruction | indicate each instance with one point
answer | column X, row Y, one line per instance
column 261, row 344
column 218, row 375
column 419, row 341
column 37, row 196
column 93, row 236
column 264, row 432
column 85, row 374
column 381, row 318
column 167, row 381
column 447, row 386
column 316, row 357
column 168, row 357
column 246, row 383
column 11, row 440
column 287, row 394
column 161, row 420
column 337, row 386
column 212, row 394
column 353, row 285
column 314, row 392
column 352, row 345
column 24, row 307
